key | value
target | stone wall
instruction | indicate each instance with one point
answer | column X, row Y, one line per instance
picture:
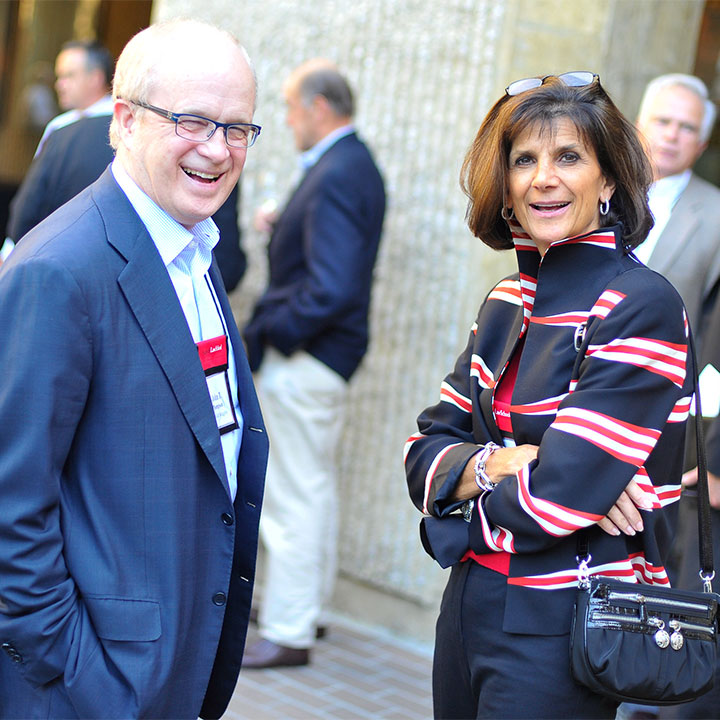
column 424, row 74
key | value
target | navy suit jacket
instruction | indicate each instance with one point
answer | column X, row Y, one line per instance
column 321, row 253
column 126, row 571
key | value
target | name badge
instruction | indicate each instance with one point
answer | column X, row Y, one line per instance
column 213, row 355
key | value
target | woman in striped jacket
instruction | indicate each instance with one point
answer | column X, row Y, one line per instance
column 565, row 412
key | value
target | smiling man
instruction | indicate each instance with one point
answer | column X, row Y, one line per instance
column 133, row 447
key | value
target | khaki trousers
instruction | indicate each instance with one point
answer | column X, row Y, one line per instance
column 303, row 403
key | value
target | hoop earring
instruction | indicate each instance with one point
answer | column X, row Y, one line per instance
column 507, row 213
column 605, row 207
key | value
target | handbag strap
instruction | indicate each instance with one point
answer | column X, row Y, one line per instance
column 707, row 572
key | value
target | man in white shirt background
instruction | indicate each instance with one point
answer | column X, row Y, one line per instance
column 83, row 72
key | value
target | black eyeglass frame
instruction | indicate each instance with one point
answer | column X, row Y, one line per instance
column 176, row 118
column 520, row 86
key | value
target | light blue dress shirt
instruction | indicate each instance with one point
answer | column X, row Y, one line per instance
column 310, row 157
column 187, row 255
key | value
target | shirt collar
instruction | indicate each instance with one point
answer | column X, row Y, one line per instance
column 169, row 236
column 669, row 189
column 103, row 106
column 310, row 157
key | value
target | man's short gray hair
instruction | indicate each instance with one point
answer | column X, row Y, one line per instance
column 332, row 86
column 692, row 83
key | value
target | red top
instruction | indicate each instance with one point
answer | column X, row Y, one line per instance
column 502, row 399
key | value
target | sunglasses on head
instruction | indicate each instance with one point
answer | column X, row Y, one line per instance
column 578, row 78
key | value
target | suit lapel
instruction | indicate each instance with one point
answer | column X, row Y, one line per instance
column 253, row 454
column 680, row 228
column 151, row 297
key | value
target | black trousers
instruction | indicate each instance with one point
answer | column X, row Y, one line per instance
column 480, row 671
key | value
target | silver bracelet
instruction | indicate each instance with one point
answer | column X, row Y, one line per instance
column 482, row 479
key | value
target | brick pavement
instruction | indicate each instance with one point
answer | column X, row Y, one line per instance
column 356, row 672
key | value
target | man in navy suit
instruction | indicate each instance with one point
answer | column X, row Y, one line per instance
column 133, row 449
column 306, row 338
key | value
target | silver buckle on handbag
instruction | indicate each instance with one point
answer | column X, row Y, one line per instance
column 584, row 571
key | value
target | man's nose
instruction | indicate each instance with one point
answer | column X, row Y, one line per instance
column 671, row 130
column 215, row 146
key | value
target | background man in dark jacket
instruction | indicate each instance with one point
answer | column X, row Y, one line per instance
column 306, row 338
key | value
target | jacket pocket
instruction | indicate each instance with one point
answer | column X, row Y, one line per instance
column 124, row 619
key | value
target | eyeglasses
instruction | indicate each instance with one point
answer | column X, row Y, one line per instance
column 578, row 78
column 200, row 129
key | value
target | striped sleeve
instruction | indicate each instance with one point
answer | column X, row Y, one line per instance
column 453, row 430
column 435, row 456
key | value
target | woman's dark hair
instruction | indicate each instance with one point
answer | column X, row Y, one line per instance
column 484, row 174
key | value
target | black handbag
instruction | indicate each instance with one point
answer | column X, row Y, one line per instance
column 647, row 644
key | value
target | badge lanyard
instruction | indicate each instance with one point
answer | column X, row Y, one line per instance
column 213, row 354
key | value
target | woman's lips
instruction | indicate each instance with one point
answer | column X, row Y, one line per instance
column 549, row 208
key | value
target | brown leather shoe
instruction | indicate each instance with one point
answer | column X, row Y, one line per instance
column 266, row 654
column 321, row 631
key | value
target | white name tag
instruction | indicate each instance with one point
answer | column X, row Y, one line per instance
column 214, row 360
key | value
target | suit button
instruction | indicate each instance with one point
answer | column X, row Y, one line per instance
column 227, row 519
column 219, row 599
column 13, row 654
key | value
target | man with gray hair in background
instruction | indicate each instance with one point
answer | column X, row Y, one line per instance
column 306, row 338
column 133, row 448
column 675, row 120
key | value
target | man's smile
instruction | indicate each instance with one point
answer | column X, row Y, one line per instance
column 201, row 176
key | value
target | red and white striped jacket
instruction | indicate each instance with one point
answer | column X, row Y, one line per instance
column 614, row 409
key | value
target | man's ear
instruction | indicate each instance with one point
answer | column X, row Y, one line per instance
column 125, row 120
column 321, row 106
column 701, row 149
column 99, row 79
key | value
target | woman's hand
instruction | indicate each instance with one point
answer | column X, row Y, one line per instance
column 691, row 477
column 624, row 516
column 504, row 462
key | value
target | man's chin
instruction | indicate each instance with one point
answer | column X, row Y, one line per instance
column 200, row 211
